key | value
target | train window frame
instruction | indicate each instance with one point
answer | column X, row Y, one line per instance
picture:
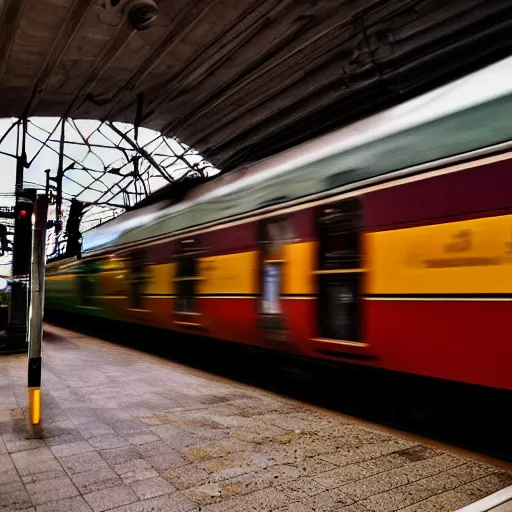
column 86, row 288
column 186, row 277
column 274, row 234
column 352, row 210
column 340, row 276
column 138, row 258
column 86, row 276
column 271, row 292
column 185, row 283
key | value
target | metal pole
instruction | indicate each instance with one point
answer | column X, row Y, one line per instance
column 60, row 176
column 35, row 326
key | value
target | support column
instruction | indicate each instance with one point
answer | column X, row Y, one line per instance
column 36, row 310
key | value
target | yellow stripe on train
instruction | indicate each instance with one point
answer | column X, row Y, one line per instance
column 300, row 261
column 472, row 256
column 236, row 273
column 161, row 279
column 228, row 273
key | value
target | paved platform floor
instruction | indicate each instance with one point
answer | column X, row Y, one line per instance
column 128, row 431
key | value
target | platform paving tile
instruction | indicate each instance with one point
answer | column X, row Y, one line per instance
column 131, row 432
column 463, row 495
column 302, row 488
column 168, row 503
column 15, row 442
column 164, row 458
column 3, row 448
column 14, row 496
column 130, row 429
column 111, row 497
column 76, row 504
column 329, row 500
column 179, row 437
column 305, row 421
column 94, row 428
column 212, row 492
column 108, row 441
column 346, row 456
column 95, row 480
column 361, row 470
column 505, row 507
column 403, row 496
column 213, row 450
column 8, row 473
column 151, row 487
column 295, row 507
column 259, row 501
column 116, row 456
column 311, row 466
column 62, row 436
column 91, row 461
column 74, row 448
column 35, row 461
column 53, row 489
column 216, row 470
column 380, row 483
column 135, row 470
column 43, row 475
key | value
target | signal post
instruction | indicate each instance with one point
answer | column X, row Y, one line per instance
column 36, row 308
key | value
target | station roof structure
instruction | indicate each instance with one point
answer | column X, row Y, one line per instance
column 237, row 80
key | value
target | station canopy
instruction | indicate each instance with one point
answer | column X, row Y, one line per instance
column 125, row 97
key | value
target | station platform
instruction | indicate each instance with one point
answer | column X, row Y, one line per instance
column 130, row 431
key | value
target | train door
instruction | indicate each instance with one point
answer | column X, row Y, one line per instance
column 274, row 234
column 340, row 270
column 186, row 281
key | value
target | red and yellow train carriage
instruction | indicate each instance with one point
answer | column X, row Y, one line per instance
column 387, row 243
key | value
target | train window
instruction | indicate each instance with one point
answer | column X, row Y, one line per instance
column 339, row 307
column 186, row 285
column 339, row 227
column 271, row 292
column 87, row 279
column 85, row 289
column 138, row 279
column 187, row 276
column 340, row 274
column 274, row 234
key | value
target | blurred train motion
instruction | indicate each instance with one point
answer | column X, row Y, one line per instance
column 387, row 243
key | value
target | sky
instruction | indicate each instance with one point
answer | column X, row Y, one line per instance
column 113, row 153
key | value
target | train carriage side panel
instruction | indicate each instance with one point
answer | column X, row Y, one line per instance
column 60, row 292
column 225, row 299
column 228, row 289
column 80, row 287
column 112, row 294
column 440, row 281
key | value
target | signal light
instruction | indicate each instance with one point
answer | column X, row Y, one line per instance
column 23, row 213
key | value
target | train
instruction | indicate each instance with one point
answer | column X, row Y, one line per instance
column 386, row 243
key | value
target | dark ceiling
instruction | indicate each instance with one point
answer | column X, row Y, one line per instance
column 239, row 79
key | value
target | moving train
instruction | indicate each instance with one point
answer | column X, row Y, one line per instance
column 387, row 243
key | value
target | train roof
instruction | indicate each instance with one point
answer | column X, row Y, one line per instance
column 468, row 114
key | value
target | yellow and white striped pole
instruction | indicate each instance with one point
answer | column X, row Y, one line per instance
column 35, row 323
